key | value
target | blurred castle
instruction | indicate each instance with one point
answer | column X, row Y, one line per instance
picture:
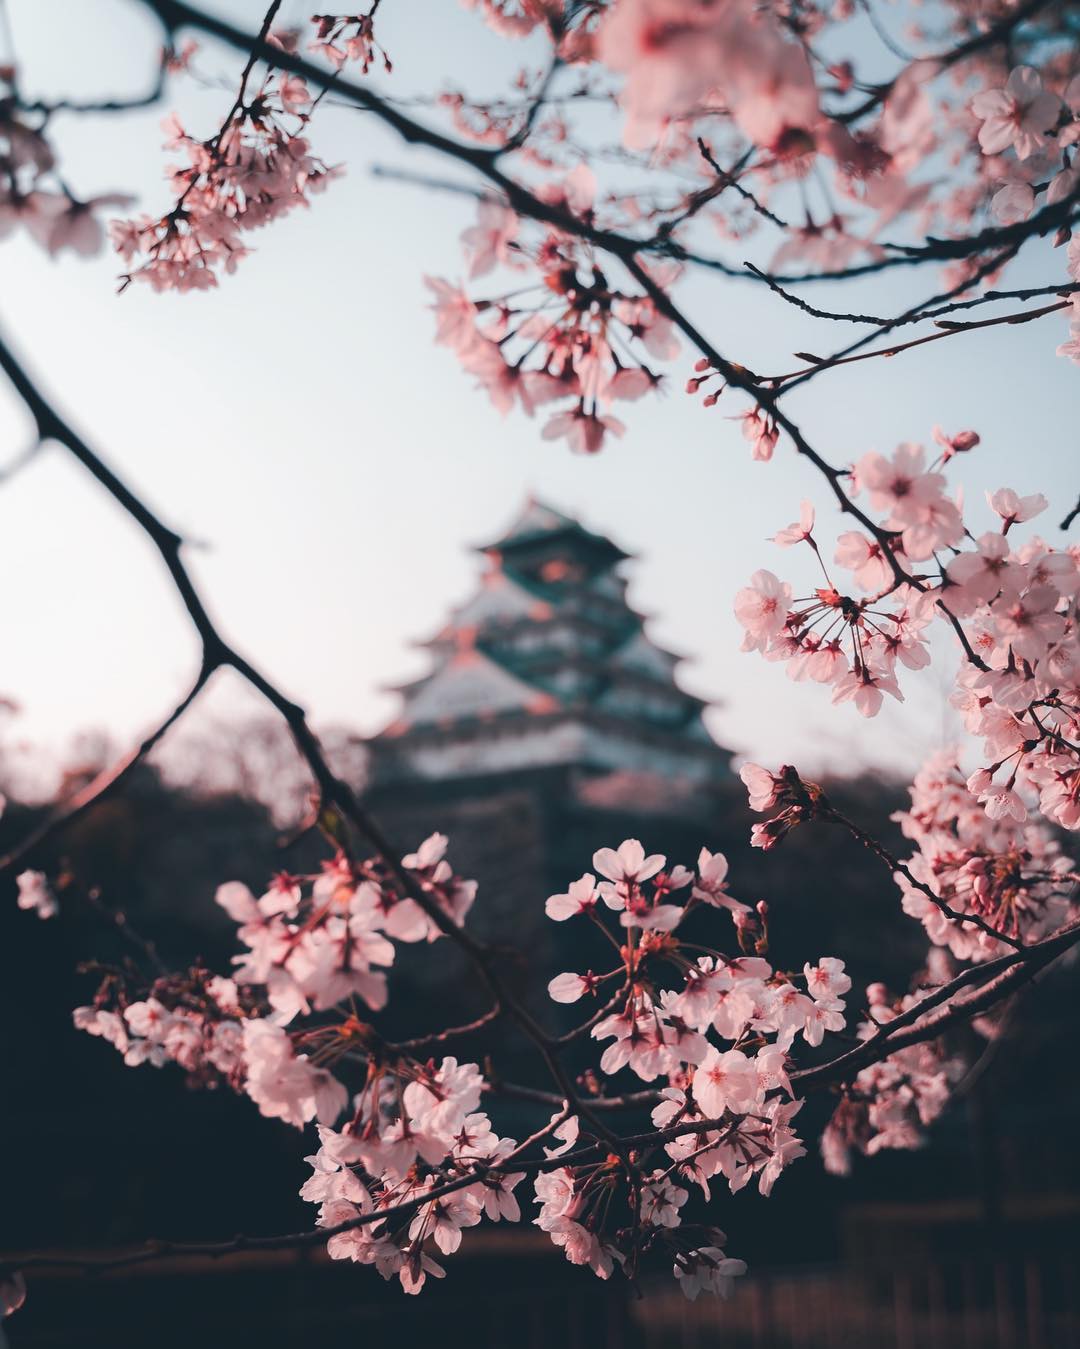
column 546, row 707
column 548, row 664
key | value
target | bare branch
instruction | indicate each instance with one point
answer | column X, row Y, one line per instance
column 829, row 812
column 105, row 782
column 949, row 330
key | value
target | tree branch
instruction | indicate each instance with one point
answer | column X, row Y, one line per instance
column 105, row 782
column 1002, row 977
column 829, row 812
column 1005, row 974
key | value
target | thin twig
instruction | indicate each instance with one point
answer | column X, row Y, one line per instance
column 828, row 812
column 104, row 782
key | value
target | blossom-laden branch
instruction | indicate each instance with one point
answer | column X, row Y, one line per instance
column 892, row 1033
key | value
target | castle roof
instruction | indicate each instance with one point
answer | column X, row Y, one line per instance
column 538, row 522
column 547, row 661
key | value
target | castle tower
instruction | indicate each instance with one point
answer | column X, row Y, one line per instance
column 547, row 665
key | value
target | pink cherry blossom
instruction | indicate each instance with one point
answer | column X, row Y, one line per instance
column 1018, row 115
column 763, row 787
column 568, row 987
column 800, row 531
column 1013, row 203
column 626, row 865
column 581, row 897
column 36, row 895
column 978, row 577
column 707, row 1270
column 725, row 1081
column 762, row 432
column 999, row 799
column 865, row 558
column 711, row 883
column 762, row 608
column 1015, row 509
column 866, row 689
column 490, row 242
column 584, row 431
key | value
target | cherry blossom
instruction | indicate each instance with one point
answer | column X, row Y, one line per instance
column 889, row 1104
column 581, row 898
column 711, row 885
column 570, row 987
column 36, row 894
column 564, row 331
column 980, row 853
column 1015, row 509
column 707, row 1269
column 625, row 866
column 865, row 558
column 762, row 608
column 1018, row 115
column 801, row 530
column 725, row 1081
column 491, row 240
column 341, row 38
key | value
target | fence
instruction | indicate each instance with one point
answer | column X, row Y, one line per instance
column 1031, row 1303
column 521, row 1295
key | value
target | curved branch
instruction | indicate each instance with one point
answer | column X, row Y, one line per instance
column 333, row 791
column 829, row 812
column 909, row 316
column 1004, row 975
column 947, row 330
column 106, row 781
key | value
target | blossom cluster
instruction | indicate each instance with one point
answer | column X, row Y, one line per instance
column 407, row 1157
column 211, row 1028
column 1012, row 605
column 341, row 38
column 413, row 1132
column 980, row 859
column 889, row 1104
column 972, row 861
column 719, row 1041
column 564, row 333
column 256, row 168
column 33, row 196
column 312, row 943
column 716, row 1030
column 194, row 1021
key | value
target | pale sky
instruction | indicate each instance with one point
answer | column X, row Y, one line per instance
column 336, row 466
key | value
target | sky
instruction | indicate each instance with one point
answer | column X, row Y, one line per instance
column 333, row 469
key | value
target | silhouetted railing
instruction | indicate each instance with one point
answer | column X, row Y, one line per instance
column 1033, row 1303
